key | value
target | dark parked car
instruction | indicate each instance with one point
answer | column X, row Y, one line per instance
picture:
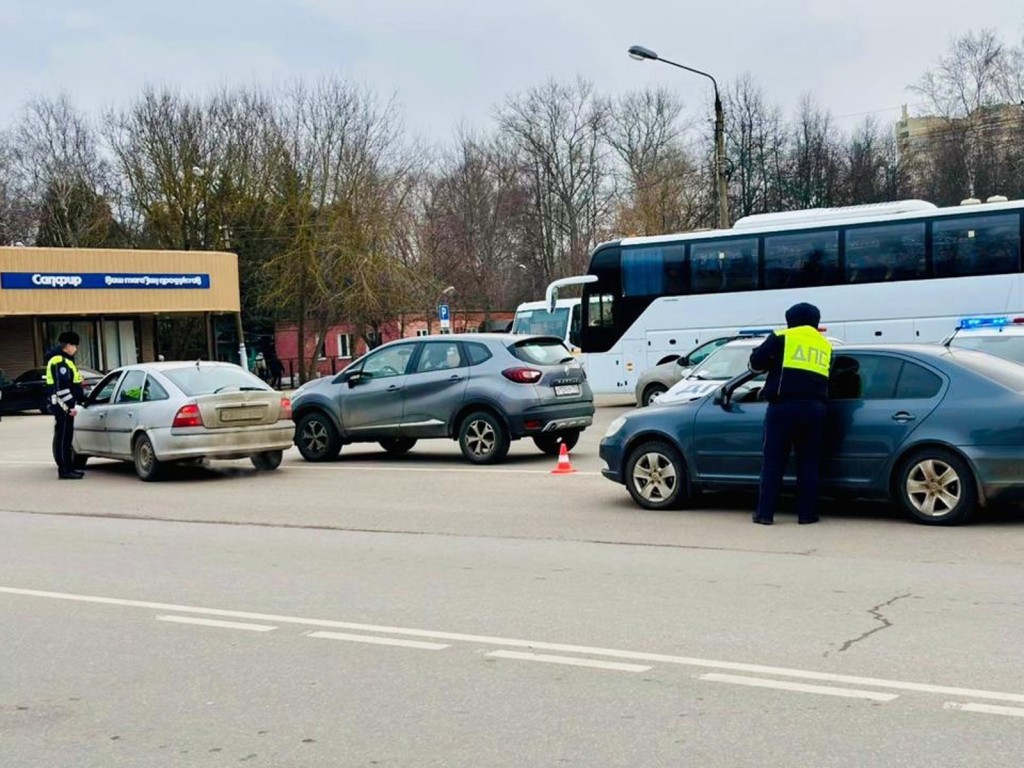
column 482, row 390
column 28, row 391
column 929, row 426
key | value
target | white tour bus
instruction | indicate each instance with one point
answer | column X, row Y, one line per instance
column 889, row 272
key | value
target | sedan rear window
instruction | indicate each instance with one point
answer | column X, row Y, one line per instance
column 542, row 352
column 207, row 380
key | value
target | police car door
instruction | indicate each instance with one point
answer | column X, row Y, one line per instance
column 91, row 421
column 123, row 413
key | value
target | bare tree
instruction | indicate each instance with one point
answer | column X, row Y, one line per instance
column 814, row 168
column 342, row 186
column 18, row 217
column 657, row 177
column 977, row 88
column 63, row 174
column 557, row 131
column 756, row 146
column 472, row 221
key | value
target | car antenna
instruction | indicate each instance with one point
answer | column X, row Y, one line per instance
column 949, row 341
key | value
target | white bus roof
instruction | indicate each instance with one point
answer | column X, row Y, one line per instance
column 818, row 217
column 544, row 305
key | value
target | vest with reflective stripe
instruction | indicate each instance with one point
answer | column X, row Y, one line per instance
column 52, row 377
column 806, row 350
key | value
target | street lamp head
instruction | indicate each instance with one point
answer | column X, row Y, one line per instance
column 640, row 53
column 449, row 289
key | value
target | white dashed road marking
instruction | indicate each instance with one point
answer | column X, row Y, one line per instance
column 532, row 645
column 568, row 661
column 215, row 623
column 783, row 685
column 985, row 709
column 380, row 641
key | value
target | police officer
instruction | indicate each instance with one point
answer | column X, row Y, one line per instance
column 798, row 361
column 64, row 386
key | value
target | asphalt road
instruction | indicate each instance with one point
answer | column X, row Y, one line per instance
column 421, row 612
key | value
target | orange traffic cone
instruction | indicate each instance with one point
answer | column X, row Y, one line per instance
column 564, row 465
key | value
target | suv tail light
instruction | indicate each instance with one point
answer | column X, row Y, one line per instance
column 522, row 375
column 188, row 416
column 286, row 409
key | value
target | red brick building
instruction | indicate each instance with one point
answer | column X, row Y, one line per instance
column 342, row 343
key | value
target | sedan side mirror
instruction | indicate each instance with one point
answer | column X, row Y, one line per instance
column 721, row 396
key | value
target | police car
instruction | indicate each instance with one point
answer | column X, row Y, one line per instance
column 1001, row 336
column 728, row 361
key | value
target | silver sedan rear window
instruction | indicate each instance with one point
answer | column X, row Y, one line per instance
column 207, row 380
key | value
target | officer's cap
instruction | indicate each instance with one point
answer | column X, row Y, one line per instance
column 803, row 314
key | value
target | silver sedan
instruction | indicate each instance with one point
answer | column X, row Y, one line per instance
column 157, row 413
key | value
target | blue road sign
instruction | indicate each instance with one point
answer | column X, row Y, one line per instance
column 442, row 313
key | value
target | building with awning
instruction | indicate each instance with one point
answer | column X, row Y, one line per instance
column 112, row 298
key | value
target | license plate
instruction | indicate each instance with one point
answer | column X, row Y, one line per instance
column 242, row 414
column 564, row 390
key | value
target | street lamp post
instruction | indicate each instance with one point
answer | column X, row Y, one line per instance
column 640, row 53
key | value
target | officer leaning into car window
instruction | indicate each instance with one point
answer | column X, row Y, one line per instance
column 798, row 361
column 64, row 387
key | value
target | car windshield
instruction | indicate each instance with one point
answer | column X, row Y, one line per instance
column 540, row 322
column 1004, row 372
column 207, row 380
column 542, row 352
column 723, row 363
column 1009, row 347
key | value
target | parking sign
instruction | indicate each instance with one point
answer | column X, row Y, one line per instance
column 443, row 316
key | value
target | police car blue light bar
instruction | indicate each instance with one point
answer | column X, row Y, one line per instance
column 755, row 331
column 968, row 323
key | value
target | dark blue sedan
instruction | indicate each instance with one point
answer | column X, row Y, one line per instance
column 938, row 430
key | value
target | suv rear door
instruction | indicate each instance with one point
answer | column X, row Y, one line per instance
column 434, row 388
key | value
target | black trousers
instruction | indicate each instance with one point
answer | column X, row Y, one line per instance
column 800, row 425
column 63, row 432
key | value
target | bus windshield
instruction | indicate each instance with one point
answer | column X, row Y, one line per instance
column 541, row 322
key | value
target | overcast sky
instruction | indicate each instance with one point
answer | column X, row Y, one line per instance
column 452, row 61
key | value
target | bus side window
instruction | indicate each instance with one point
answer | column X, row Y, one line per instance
column 600, row 314
column 976, row 245
column 885, row 253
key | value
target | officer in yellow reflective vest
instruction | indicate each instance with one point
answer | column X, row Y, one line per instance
column 798, row 361
column 64, row 387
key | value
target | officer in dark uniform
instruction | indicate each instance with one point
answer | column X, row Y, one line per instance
column 798, row 361
column 64, row 386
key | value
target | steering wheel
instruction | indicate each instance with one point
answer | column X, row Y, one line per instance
column 387, row 370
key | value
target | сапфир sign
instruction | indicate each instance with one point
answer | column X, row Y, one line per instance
column 101, row 280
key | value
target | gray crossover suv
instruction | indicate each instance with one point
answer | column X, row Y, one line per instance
column 483, row 390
